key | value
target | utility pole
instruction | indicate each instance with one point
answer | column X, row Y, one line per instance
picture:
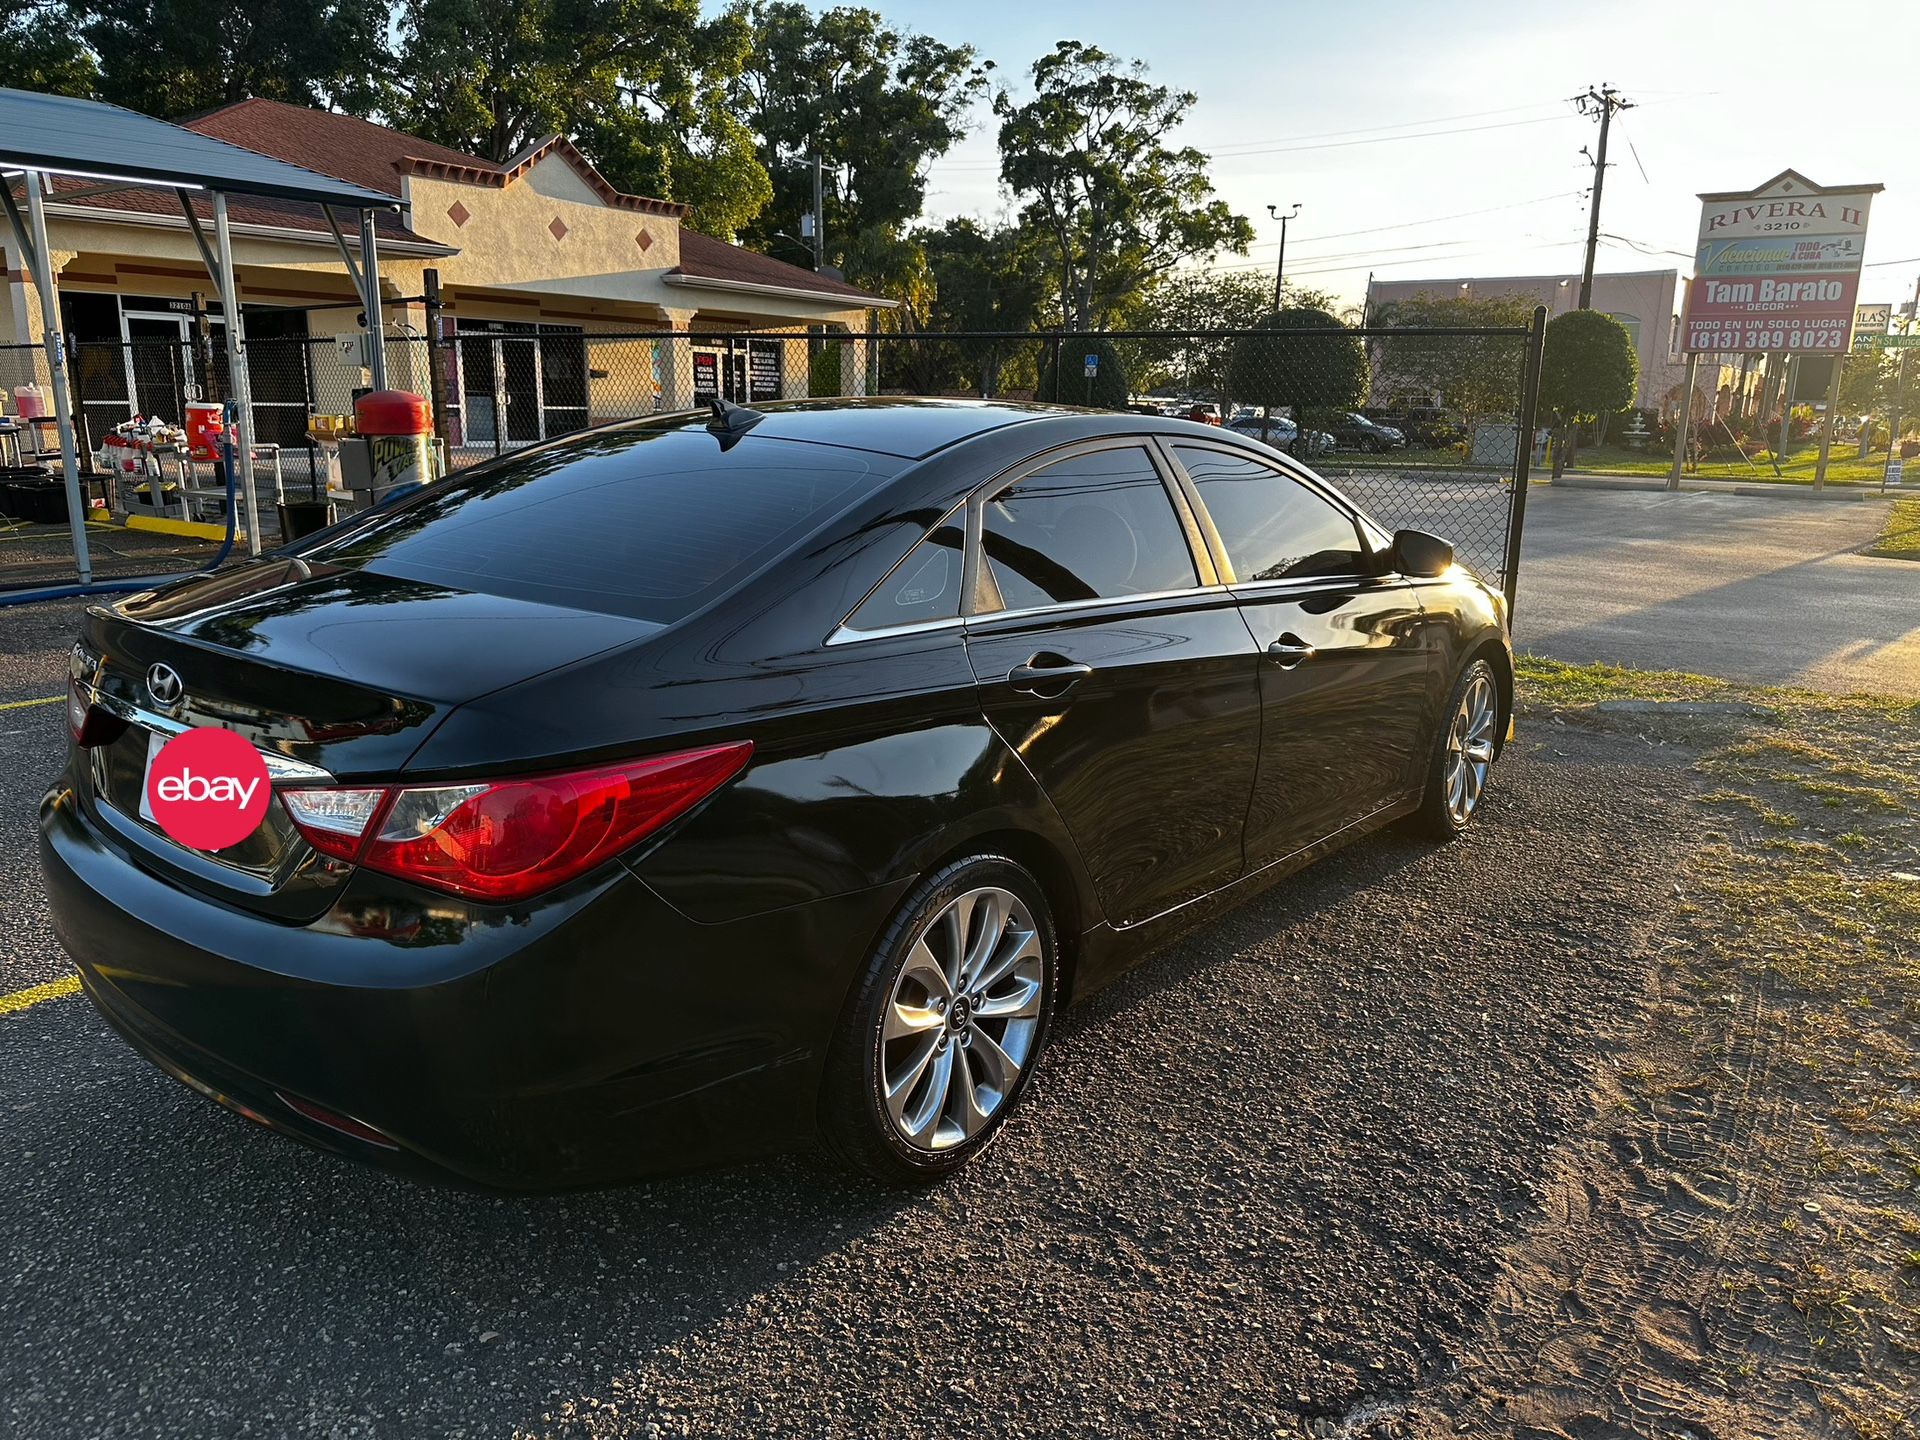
column 819, row 217
column 1280, row 268
column 1604, row 101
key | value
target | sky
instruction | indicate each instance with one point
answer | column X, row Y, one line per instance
column 1436, row 140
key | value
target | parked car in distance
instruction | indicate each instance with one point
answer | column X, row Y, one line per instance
column 699, row 787
column 1425, row 427
column 1353, row 431
column 1280, row 432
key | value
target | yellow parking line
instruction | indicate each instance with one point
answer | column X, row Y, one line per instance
column 34, row 994
column 23, row 704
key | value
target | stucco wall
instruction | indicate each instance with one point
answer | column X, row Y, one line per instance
column 1649, row 296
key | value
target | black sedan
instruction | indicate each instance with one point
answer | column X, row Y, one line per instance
column 698, row 787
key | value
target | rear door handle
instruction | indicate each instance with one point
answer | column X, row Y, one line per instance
column 1290, row 650
column 1047, row 681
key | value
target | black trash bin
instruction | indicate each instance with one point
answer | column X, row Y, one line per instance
column 302, row 517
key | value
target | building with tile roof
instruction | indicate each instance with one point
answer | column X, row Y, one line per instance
column 532, row 258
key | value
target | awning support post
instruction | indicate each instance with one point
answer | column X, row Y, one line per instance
column 376, row 326
column 40, row 261
column 237, row 378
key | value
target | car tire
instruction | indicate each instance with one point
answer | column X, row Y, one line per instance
column 1462, row 754
column 909, row 1098
column 1369, row 445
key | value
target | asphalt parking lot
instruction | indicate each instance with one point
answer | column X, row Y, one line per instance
column 1267, row 1178
column 1763, row 588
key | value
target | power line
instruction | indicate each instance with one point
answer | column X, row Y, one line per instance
column 1432, row 219
column 1286, row 144
column 1377, row 129
column 1388, row 139
column 1359, row 258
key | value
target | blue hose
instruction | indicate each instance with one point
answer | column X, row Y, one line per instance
column 146, row 582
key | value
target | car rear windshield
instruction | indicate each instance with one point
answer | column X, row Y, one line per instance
column 646, row 523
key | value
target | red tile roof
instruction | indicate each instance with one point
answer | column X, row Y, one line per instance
column 353, row 149
column 364, row 153
column 704, row 258
column 342, row 146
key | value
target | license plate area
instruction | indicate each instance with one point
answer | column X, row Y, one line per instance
column 156, row 742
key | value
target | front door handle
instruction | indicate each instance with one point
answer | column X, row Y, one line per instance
column 1290, row 650
column 1047, row 680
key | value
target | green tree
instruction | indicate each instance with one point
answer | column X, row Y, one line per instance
column 643, row 86
column 1300, row 358
column 1064, row 379
column 1867, row 383
column 40, row 49
column 874, row 102
column 1199, row 300
column 1472, row 375
column 980, row 280
column 173, row 57
column 1090, row 157
column 1588, row 370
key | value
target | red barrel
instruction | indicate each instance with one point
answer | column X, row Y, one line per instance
column 392, row 412
column 204, row 426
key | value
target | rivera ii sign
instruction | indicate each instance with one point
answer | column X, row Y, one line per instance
column 1778, row 268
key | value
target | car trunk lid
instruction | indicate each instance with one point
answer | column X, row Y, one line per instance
column 331, row 673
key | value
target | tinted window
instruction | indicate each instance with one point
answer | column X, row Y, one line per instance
column 1274, row 527
column 647, row 523
column 924, row 586
column 1089, row 528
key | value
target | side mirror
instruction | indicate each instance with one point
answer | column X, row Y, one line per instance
column 1415, row 552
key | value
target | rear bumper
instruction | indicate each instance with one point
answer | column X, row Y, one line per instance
column 598, row 1035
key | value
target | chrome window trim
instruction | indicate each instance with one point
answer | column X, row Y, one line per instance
column 844, row 636
column 280, row 768
column 1316, row 582
column 1100, row 602
column 847, row 635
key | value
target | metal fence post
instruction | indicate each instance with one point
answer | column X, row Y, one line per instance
column 1523, row 461
column 436, row 357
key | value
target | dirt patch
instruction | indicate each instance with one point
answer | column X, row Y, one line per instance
column 1731, row 1248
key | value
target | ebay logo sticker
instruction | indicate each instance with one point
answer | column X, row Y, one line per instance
column 207, row 788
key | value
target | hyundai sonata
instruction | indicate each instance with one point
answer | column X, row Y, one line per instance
column 698, row 787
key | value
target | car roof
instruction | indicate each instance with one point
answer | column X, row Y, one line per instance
column 910, row 427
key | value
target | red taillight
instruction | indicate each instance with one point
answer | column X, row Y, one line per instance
column 89, row 724
column 508, row 839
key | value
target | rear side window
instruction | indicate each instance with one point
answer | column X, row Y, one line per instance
column 1274, row 527
column 648, row 524
column 1093, row 527
column 924, row 586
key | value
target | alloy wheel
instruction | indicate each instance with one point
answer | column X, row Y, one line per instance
column 1470, row 747
column 960, row 1024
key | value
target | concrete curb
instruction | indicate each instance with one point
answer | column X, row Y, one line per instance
column 1774, row 491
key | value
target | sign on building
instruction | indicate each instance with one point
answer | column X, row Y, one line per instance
column 1778, row 268
column 1870, row 327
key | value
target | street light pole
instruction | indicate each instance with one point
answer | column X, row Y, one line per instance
column 1900, row 387
column 1280, row 268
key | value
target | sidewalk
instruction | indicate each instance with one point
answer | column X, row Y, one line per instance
column 1773, row 489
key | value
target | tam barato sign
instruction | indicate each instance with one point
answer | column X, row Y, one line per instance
column 1778, row 268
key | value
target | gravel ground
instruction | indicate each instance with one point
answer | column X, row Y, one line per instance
column 1268, row 1178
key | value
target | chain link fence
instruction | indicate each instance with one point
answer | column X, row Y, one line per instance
column 1426, row 429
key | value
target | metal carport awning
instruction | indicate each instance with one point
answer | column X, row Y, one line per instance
column 43, row 135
